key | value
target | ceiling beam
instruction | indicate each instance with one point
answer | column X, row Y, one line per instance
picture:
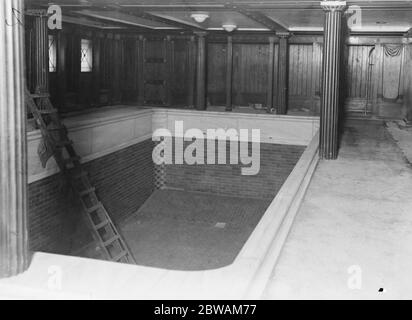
column 259, row 17
column 126, row 18
column 148, row 16
column 101, row 19
column 91, row 23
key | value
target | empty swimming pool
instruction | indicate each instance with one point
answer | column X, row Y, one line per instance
column 180, row 217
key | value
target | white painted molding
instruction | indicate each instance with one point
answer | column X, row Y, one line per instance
column 110, row 129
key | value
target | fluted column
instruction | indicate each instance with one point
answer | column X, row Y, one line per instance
column 329, row 118
column 13, row 161
column 201, row 71
column 41, row 50
column 408, row 75
column 283, row 70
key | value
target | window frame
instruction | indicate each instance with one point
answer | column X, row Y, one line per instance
column 86, row 56
column 52, row 42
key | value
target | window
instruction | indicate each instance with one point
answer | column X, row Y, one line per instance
column 52, row 54
column 86, row 51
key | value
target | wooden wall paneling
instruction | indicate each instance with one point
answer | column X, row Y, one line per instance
column 250, row 74
column 180, row 72
column 301, row 70
column 73, row 69
column 61, row 69
column 229, row 73
column 111, row 77
column 402, row 73
column 163, row 72
column 390, row 79
column 129, row 69
column 370, row 79
column 96, row 68
column 117, row 63
column 358, row 78
column 105, row 72
column 378, row 77
column 216, row 73
column 391, row 103
column 316, row 77
column 141, row 43
column 375, row 74
column 201, row 71
column 155, row 72
column 29, row 47
column 192, row 72
column 275, row 72
column 170, row 76
column 283, row 73
column 269, row 102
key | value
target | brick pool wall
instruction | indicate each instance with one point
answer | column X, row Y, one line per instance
column 123, row 180
column 276, row 163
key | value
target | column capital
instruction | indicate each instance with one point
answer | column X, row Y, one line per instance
column 283, row 34
column 333, row 5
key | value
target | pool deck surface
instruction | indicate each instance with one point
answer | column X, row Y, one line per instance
column 353, row 233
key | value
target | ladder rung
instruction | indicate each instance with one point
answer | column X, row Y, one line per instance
column 87, row 191
column 110, row 241
column 102, row 224
column 39, row 96
column 48, row 111
column 94, row 208
column 123, row 254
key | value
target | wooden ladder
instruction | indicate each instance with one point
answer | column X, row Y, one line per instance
column 55, row 138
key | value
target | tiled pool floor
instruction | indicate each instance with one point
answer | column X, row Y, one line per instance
column 182, row 230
